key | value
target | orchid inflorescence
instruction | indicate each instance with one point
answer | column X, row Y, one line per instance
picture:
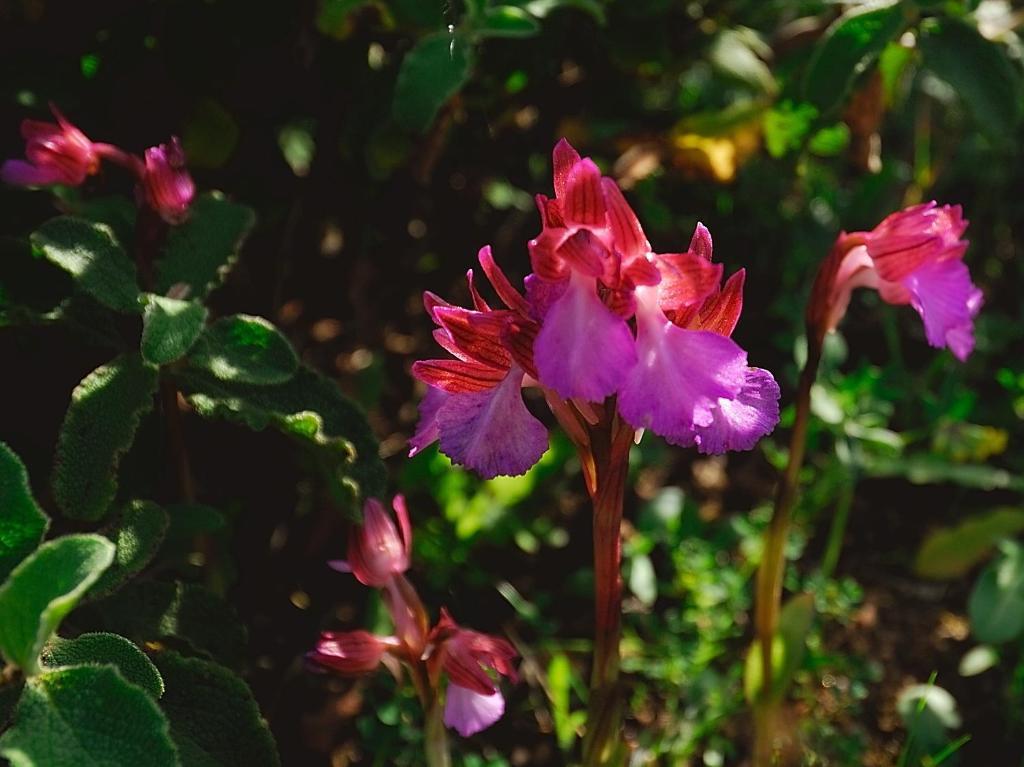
column 602, row 316
column 378, row 556
column 60, row 153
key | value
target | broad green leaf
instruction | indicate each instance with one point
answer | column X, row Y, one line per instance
column 245, row 349
column 788, row 648
column 169, row 328
column 309, row 408
column 951, row 552
column 432, row 72
column 100, row 648
column 87, row 716
column 977, row 69
column 22, row 522
column 849, row 47
column 43, row 589
column 29, row 284
column 996, row 604
column 91, row 254
column 215, row 721
column 200, row 253
column 137, row 532
column 99, row 427
column 117, row 212
column 506, row 21
column 159, row 611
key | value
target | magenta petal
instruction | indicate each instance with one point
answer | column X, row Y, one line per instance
column 341, row 565
column 21, row 173
column 469, row 712
column 682, row 374
column 947, row 300
column 426, row 429
column 583, row 349
column 740, row 422
column 491, row 431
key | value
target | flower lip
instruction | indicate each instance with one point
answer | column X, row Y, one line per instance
column 468, row 655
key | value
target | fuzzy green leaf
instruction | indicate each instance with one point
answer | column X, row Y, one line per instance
column 215, row 721
column 91, row 254
column 432, row 72
column 978, row 70
column 22, row 522
column 201, row 252
column 101, row 648
column 169, row 328
column 309, row 407
column 247, row 350
column 43, row 589
column 99, row 427
column 87, row 715
column 158, row 611
column 137, row 533
column 848, row 48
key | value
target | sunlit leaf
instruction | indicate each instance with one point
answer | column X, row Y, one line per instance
column 996, row 604
column 137, row 533
column 951, row 552
column 22, row 522
column 101, row 648
column 432, row 72
column 169, row 328
column 245, row 349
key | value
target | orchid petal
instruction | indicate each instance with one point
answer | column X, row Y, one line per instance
column 491, row 431
column 583, row 350
column 583, row 202
column 947, row 300
column 563, row 159
column 469, row 712
column 700, row 243
column 681, row 376
column 426, row 429
column 740, row 422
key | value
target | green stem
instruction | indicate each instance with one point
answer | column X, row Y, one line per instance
column 773, row 558
column 837, row 530
column 610, row 441
column 435, row 736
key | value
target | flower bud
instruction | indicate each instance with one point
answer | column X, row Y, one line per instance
column 376, row 551
column 166, row 185
column 57, row 154
column 348, row 652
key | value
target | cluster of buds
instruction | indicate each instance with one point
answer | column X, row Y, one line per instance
column 378, row 556
column 60, row 153
column 915, row 256
column 602, row 316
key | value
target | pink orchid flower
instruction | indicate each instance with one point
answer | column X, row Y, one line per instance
column 915, row 256
column 56, row 154
column 166, row 185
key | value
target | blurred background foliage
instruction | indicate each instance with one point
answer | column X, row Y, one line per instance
column 382, row 142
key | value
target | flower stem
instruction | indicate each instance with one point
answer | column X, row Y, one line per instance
column 610, row 440
column 435, row 736
column 773, row 558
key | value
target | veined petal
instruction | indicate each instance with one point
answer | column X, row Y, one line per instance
column 583, row 350
column 426, row 428
column 721, row 312
column 512, row 298
column 491, row 431
column 627, row 234
column 585, row 253
column 947, row 300
column 687, row 279
column 583, row 202
column 469, row 712
column 740, row 422
column 563, row 159
column 478, row 334
column 700, row 243
column 681, row 375
column 457, row 376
